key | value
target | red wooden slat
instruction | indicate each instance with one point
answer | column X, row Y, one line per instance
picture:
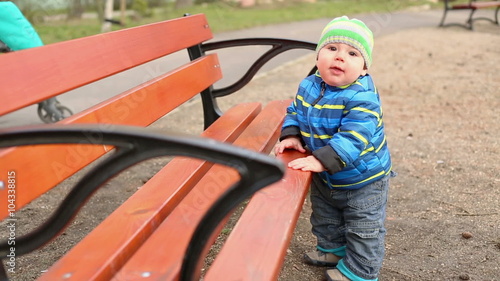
column 48, row 165
column 274, row 212
column 57, row 68
column 477, row 5
column 169, row 241
column 97, row 257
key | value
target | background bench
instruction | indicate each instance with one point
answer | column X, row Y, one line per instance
column 163, row 230
column 473, row 6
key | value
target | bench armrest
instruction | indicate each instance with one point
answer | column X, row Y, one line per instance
column 133, row 145
column 211, row 110
column 278, row 46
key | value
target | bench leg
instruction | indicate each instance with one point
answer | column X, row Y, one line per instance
column 443, row 18
column 496, row 15
column 470, row 21
column 468, row 24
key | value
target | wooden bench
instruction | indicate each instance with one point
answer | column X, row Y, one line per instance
column 473, row 6
column 164, row 230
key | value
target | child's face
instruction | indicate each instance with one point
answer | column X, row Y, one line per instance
column 340, row 64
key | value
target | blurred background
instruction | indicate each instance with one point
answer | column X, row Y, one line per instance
column 59, row 20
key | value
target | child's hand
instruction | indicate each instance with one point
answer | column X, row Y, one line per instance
column 289, row 143
column 307, row 164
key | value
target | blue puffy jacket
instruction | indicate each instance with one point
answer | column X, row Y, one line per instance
column 15, row 30
column 343, row 128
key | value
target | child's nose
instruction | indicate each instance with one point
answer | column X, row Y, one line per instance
column 339, row 57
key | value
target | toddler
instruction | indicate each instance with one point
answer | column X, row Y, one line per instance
column 337, row 116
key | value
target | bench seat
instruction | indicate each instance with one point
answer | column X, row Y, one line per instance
column 146, row 209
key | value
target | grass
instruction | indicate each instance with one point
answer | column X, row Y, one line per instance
column 224, row 16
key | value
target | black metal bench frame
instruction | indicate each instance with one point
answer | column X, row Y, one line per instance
column 473, row 8
column 278, row 46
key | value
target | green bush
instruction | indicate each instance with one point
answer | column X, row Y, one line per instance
column 141, row 8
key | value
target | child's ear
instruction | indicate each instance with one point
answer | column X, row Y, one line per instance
column 364, row 71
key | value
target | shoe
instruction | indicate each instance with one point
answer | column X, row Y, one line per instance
column 320, row 258
column 335, row 275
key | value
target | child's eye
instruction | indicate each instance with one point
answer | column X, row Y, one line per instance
column 332, row 48
column 354, row 54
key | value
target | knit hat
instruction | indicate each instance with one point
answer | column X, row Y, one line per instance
column 352, row 32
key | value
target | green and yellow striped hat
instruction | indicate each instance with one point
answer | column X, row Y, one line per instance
column 352, row 32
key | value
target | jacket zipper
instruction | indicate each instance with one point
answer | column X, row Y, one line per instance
column 321, row 94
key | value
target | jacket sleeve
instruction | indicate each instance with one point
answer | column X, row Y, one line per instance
column 329, row 159
column 290, row 131
column 291, row 125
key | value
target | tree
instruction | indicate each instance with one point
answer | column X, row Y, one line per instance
column 75, row 9
column 108, row 14
column 99, row 5
column 141, row 8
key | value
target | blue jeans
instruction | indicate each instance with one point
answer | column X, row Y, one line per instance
column 350, row 224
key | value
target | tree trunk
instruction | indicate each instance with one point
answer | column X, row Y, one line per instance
column 75, row 9
column 108, row 15
column 123, row 9
column 99, row 4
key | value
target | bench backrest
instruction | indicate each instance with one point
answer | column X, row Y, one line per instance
column 467, row 1
column 58, row 68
